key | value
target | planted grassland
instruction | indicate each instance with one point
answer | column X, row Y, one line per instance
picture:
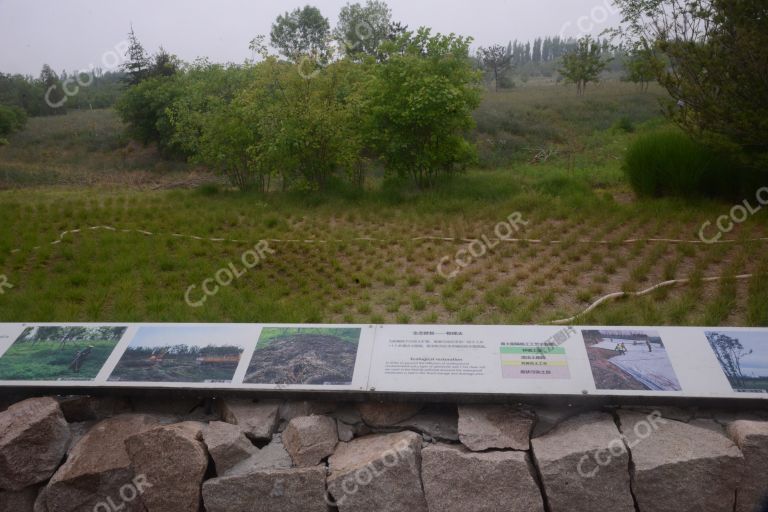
column 54, row 361
column 372, row 256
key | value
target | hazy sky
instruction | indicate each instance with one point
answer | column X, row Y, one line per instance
column 78, row 34
column 757, row 362
column 199, row 335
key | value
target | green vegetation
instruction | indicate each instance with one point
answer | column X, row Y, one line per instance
column 669, row 162
column 421, row 104
column 717, row 56
column 584, row 64
column 113, row 276
column 270, row 334
column 412, row 110
column 301, row 32
column 51, row 353
column 368, row 160
column 12, row 119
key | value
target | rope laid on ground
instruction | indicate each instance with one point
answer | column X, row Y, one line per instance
column 563, row 321
column 665, row 284
column 414, row 239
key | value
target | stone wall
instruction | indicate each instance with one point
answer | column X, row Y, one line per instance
column 109, row 454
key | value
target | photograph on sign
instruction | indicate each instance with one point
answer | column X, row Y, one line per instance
column 48, row 353
column 743, row 356
column 304, row 356
column 629, row 360
column 207, row 354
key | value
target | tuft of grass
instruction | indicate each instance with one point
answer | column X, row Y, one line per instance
column 669, row 163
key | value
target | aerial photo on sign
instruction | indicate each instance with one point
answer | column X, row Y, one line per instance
column 304, row 356
column 630, row 361
column 59, row 353
column 743, row 356
column 207, row 354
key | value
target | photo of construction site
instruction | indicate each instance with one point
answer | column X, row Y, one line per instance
column 743, row 356
column 183, row 354
column 630, row 361
column 306, row 355
column 59, row 353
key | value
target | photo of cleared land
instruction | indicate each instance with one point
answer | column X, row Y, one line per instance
column 59, row 353
column 743, row 356
column 630, row 360
column 183, row 354
column 320, row 356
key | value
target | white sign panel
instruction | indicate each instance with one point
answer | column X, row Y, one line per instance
column 429, row 359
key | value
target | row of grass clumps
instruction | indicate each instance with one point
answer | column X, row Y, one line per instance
column 670, row 163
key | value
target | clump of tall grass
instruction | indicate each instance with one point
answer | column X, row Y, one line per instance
column 669, row 163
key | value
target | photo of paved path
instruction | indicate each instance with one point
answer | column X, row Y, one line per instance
column 630, row 360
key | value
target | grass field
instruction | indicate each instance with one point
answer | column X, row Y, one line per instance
column 270, row 334
column 576, row 197
column 49, row 361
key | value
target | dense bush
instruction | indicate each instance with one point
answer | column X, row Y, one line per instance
column 317, row 123
column 145, row 109
column 671, row 163
column 11, row 119
column 420, row 104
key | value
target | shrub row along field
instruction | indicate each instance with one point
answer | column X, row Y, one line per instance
column 332, row 276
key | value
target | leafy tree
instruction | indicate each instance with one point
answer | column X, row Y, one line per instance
column 164, row 64
column 419, row 106
column 54, row 94
column 643, row 66
column 496, row 61
column 583, row 64
column 537, row 50
column 308, row 129
column 362, row 28
column 211, row 125
column 729, row 352
column 300, row 33
column 145, row 110
column 718, row 63
column 138, row 64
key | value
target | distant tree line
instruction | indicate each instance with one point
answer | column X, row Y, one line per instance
column 183, row 351
column 32, row 94
column 64, row 335
column 545, row 56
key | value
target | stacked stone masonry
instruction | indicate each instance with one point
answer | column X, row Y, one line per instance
column 97, row 454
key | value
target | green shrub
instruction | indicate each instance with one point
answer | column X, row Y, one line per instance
column 419, row 104
column 12, row 119
column 144, row 108
column 624, row 124
column 669, row 163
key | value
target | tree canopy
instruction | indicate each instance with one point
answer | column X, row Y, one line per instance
column 301, row 32
column 583, row 64
column 362, row 28
column 718, row 60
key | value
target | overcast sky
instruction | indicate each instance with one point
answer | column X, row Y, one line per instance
column 78, row 34
column 198, row 335
column 755, row 364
